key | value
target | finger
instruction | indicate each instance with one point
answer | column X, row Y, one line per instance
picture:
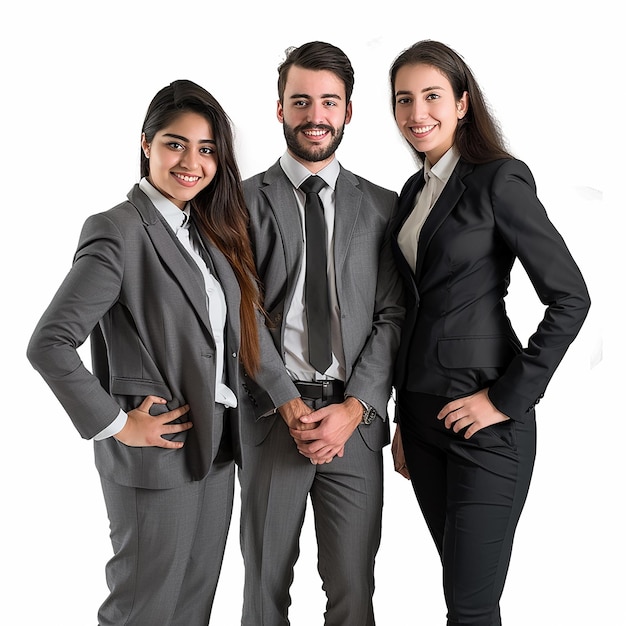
column 166, row 443
column 148, row 401
column 455, row 416
column 446, row 410
column 174, row 413
column 179, row 427
column 315, row 416
column 305, row 436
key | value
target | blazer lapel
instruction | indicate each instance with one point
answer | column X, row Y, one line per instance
column 407, row 202
column 279, row 193
column 446, row 202
column 172, row 254
column 348, row 199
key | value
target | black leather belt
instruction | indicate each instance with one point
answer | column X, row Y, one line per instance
column 321, row 390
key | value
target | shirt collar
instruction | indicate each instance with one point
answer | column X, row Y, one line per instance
column 172, row 214
column 297, row 173
column 442, row 170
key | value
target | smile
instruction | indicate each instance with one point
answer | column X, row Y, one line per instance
column 315, row 133
column 187, row 179
column 422, row 130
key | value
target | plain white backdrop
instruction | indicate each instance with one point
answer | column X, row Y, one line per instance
column 76, row 81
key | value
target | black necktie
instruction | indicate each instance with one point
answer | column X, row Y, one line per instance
column 316, row 281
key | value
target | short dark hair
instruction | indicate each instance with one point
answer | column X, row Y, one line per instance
column 317, row 55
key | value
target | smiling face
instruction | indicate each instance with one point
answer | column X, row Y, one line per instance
column 182, row 157
column 426, row 109
column 313, row 113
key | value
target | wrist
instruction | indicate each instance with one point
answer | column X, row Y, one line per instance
column 368, row 412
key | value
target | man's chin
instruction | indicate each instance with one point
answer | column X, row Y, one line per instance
column 314, row 155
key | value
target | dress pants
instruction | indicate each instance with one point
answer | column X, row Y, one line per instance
column 168, row 549
column 471, row 492
column 346, row 496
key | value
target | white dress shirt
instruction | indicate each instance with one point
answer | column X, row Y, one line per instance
column 178, row 221
column 296, row 336
column 436, row 177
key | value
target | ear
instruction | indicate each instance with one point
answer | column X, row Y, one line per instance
column 462, row 106
column 279, row 112
column 348, row 112
column 145, row 146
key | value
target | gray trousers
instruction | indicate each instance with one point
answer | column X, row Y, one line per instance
column 346, row 497
column 168, row 549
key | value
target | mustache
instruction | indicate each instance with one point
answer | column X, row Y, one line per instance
column 311, row 126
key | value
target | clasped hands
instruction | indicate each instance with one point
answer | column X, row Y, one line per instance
column 321, row 435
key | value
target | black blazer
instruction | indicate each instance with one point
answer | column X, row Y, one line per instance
column 457, row 337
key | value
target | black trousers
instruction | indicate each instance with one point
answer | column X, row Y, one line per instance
column 471, row 492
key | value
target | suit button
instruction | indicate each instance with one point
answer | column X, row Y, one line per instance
column 234, row 355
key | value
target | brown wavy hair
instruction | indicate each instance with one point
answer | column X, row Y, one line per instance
column 219, row 209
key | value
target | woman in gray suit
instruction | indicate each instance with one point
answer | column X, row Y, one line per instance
column 467, row 387
column 165, row 286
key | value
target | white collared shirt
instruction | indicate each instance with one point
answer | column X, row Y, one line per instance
column 296, row 336
column 216, row 302
column 436, row 176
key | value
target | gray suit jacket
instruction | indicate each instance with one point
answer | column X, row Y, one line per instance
column 369, row 289
column 136, row 291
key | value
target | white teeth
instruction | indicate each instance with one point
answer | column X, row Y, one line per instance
column 316, row 133
column 187, row 179
column 423, row 129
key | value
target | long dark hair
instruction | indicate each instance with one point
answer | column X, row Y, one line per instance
column 478, row 135
column 219, row 209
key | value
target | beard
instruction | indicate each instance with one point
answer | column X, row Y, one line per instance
column 313, row 154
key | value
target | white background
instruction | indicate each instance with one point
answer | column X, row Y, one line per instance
column 76, row 79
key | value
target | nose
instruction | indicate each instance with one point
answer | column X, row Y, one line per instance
column 317, row 113
column 419, row 111
column 189, row 160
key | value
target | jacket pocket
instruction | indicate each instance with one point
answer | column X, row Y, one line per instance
column 139, row 387
column 476, row 352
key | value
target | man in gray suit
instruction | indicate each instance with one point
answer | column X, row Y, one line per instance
column 328, row 443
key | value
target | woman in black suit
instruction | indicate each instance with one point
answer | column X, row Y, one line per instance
column 467, row 387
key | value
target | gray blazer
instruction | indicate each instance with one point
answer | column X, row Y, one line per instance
column 369, row 289
column 136, row 291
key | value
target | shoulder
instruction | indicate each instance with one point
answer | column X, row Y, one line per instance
column 262, row 179
column 117, row 221
column 502, row 170
column 253, row 182
column 367, row 187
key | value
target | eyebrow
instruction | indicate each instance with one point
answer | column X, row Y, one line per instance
column 408, row 93
column 299, row 96
column 181, row 138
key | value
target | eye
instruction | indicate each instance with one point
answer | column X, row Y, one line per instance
column 405, row 100
column 300, row 103
column 330, row 103
column 433, row 96
column 174, row 145
column 207, row 150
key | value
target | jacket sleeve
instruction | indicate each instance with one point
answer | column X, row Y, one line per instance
column 272, row 386
column 88, row 291
column 372, row 373
column 523, row 223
